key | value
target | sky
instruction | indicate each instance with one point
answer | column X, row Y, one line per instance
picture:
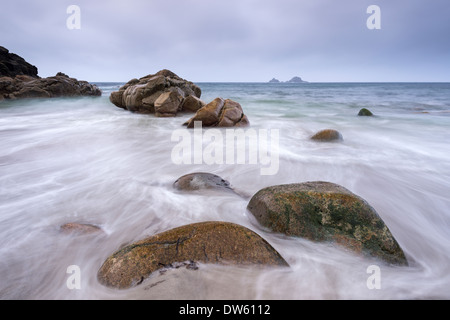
column 233, row 40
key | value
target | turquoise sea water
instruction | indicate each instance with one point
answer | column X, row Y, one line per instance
column 85, row 160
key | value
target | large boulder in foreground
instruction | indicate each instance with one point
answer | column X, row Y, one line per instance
column 162, row 94
column 220, row 113
column 324, row 211
column 205, row 242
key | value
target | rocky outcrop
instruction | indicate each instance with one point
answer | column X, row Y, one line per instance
column 19, row 79
column 323, row 211
column 163, row 94
column 327, row 135
column 274, row 81
column 204, row 242
column 59, row 85
column 12, row 65
column 220, row 113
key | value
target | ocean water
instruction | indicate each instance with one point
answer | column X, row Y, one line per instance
column 85, row 160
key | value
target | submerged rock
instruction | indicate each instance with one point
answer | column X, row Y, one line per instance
column 201, row 180
column 80, row 228
column 162, row 93
column 365, row 112
column 327, row 135
column 324, row 211
column 204, row 242
column 220, row 113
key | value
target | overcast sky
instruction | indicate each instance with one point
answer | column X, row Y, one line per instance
column 232, row 40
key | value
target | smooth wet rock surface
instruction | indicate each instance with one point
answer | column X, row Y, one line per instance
column 192, row 104
column 204, row 242
column 80, row 228
column 365, row 112
column 220, row 113
column 200, row 181
column 323, row 211
column 327, row 135
column 162, row 94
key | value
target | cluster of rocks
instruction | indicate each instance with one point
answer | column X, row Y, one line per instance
column 19, row 79
column 318, row 211
column 60, row 85
column 165, row 94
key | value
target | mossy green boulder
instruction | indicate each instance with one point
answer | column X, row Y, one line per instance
column 206, row 242
column 365, row 112
column 324, row 211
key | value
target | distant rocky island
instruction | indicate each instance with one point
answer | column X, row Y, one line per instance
column 293, row 80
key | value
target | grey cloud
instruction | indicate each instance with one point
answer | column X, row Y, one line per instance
column 245, row 40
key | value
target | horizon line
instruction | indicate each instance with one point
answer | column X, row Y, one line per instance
column 286, row 82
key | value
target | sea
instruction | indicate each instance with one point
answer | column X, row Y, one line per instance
column 85, row 160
